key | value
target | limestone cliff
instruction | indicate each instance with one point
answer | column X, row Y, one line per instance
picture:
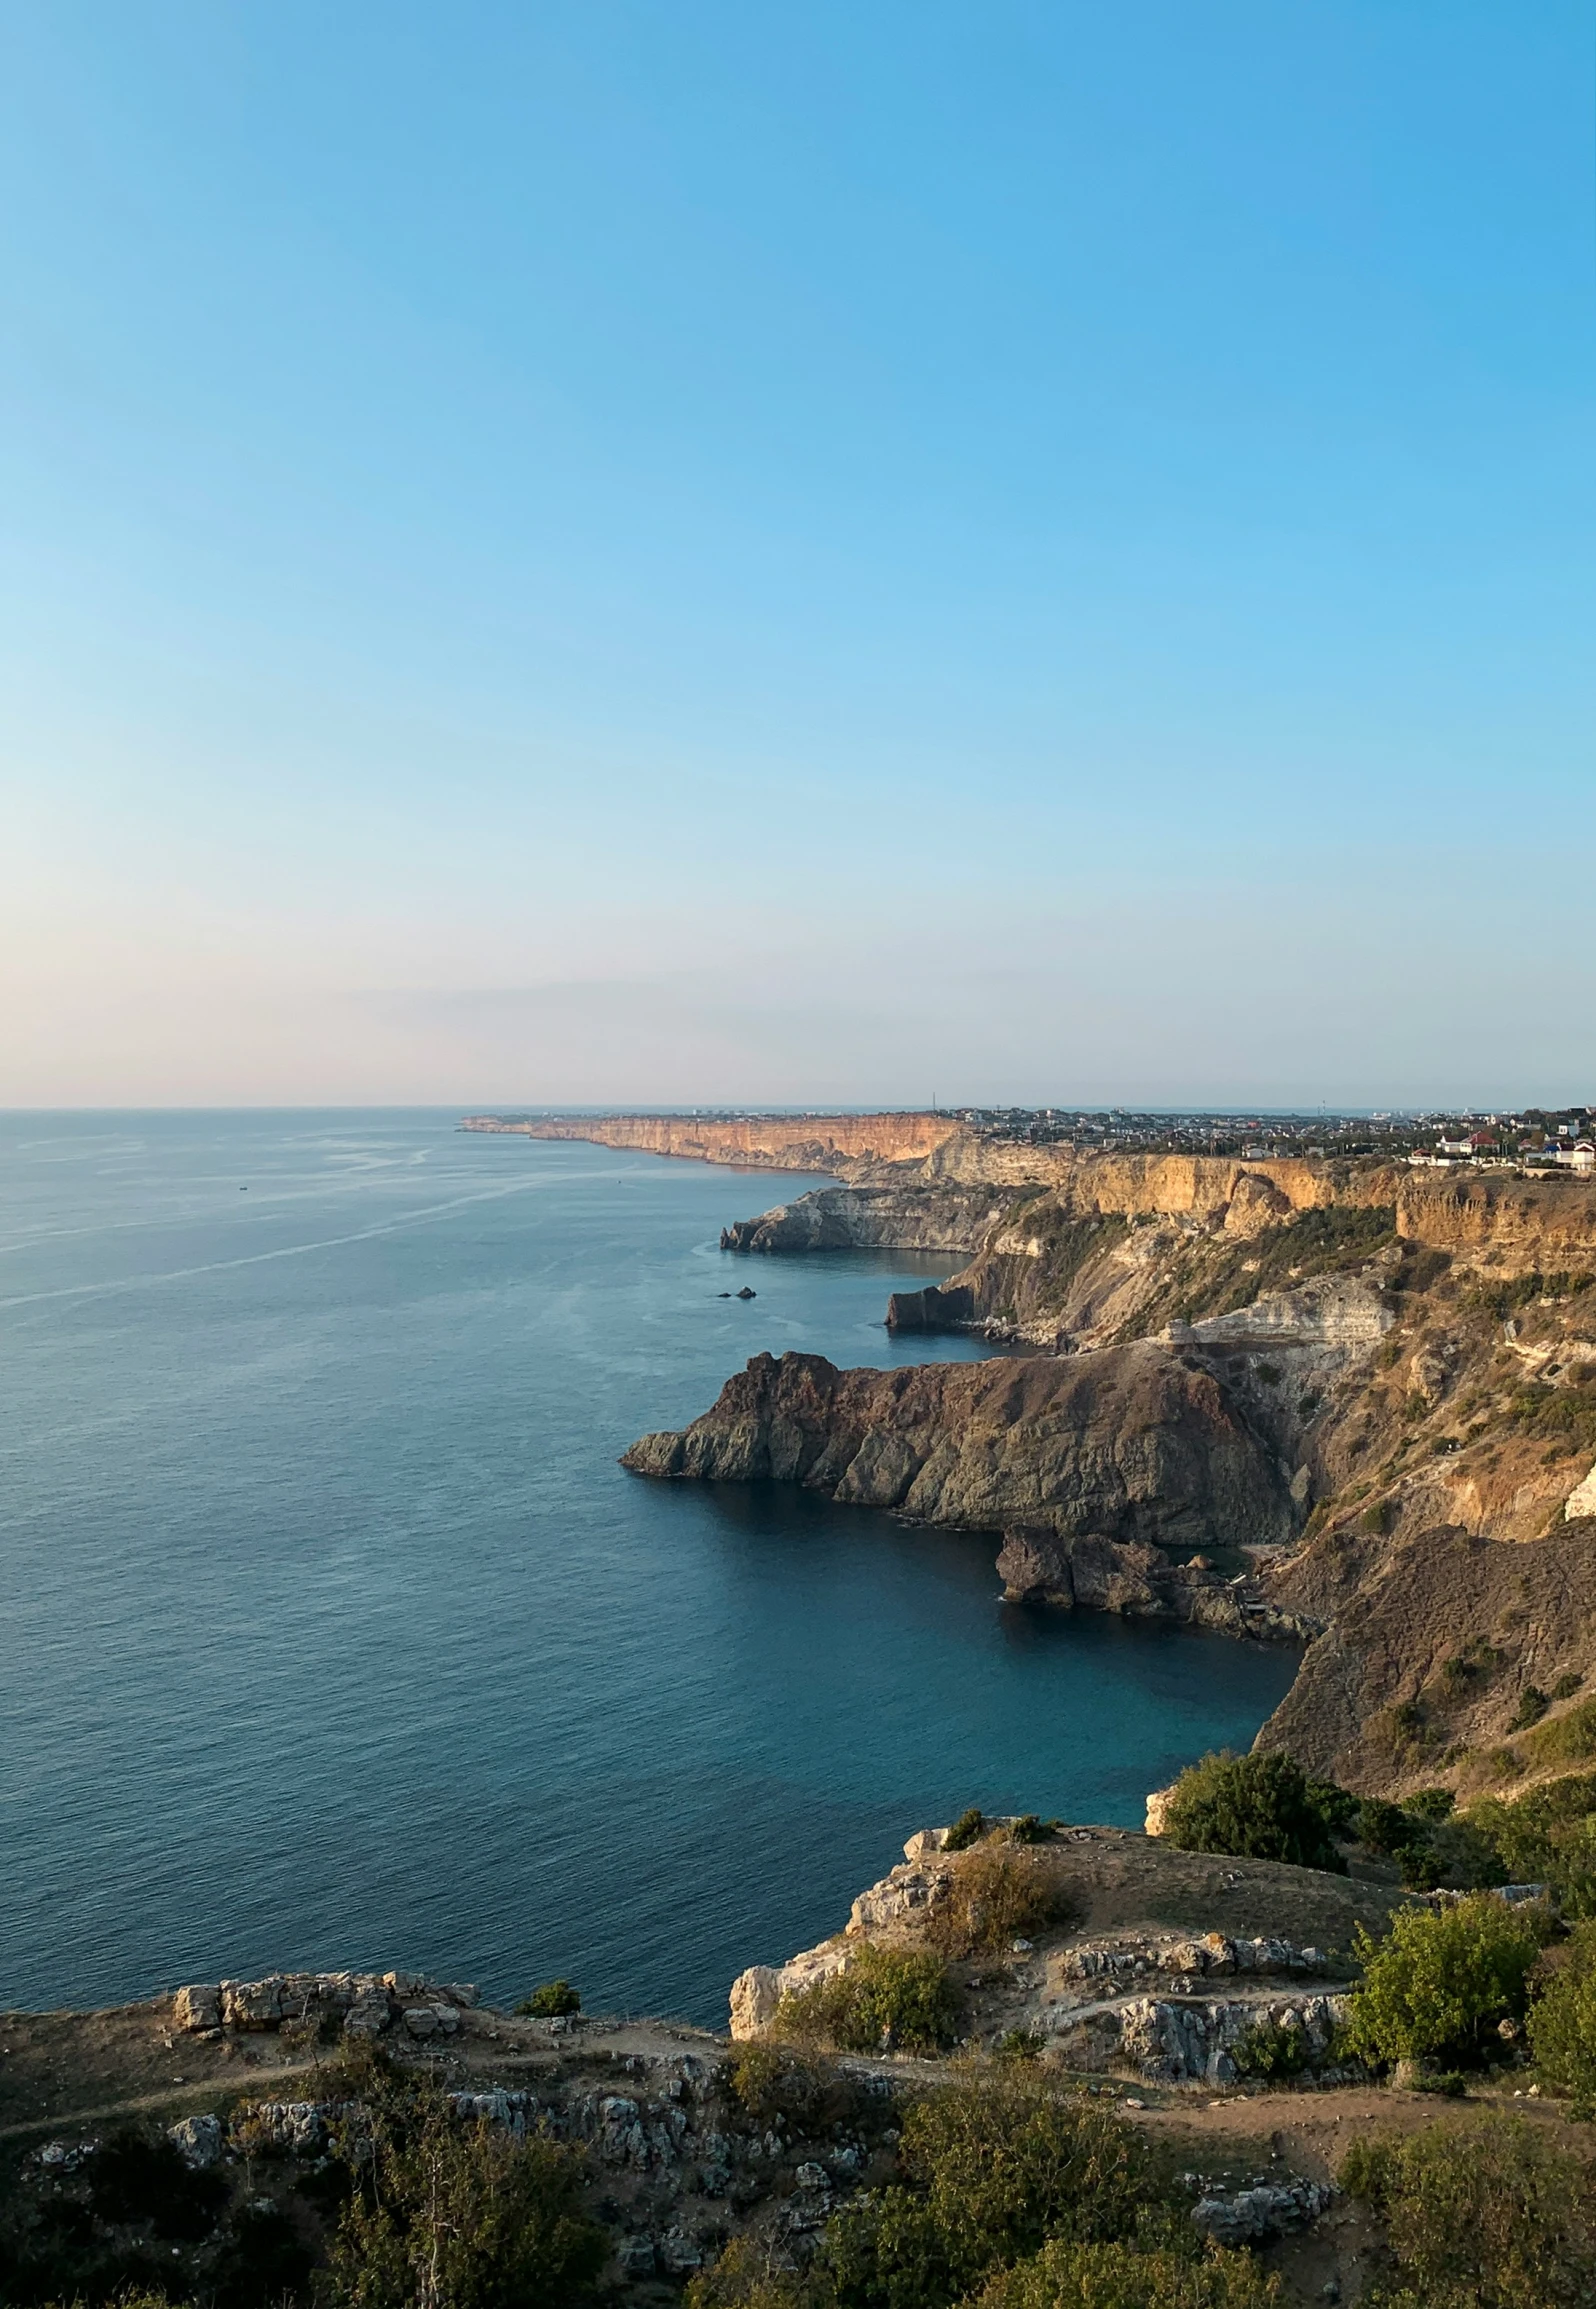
column 865, row 1218
column 1134, row 1445
column 808, row 1142
column 1090, row 1249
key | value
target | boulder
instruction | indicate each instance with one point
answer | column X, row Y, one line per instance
column 198, row 2141
column 253, row 2004
column 198, row 2007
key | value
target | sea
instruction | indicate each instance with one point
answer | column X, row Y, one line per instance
column 332, row 1634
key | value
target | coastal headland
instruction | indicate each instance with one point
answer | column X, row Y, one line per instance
column 1346, row 1402
column 815, row 1142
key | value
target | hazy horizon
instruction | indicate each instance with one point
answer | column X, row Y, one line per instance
column 615, row 557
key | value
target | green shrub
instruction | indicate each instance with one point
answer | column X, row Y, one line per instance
column 1533, row 1704
column 554, row 1998
column 1562, row 2021
column 1435, row 1989
column 1567, row 1685
column 1261, row 1807
column 1272, row 2048
column 1486, row 2216
column 967, row 1829
column 1431, row 1803
column 1453, row 1853
column 1069, row 2276
column 465, row 2217
column 1384, row 1828
column 885, row 1999
column 1547, row 1836
column 990, row 2172
column 1028, row 1829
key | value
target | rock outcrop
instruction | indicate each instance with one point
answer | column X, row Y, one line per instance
column 361, row 2003
column 872, row 1218
column 1135, row 1444
column 1085, row 1571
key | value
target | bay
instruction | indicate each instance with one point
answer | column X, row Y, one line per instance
column 333, row 1634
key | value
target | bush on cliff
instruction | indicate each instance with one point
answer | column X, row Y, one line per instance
column 550, row 2002
column 989, row 2173
column 966, row 1830
column 1068, row 2276
column 1437, row 1988
column 886, row 1999
column 1488, row 2216
column 998, row 1894
column 1260, row 1807
column 459, row 2217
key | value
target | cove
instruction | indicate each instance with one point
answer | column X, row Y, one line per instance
column 336, row 1635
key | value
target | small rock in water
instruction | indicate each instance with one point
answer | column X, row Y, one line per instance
column 746, row 1293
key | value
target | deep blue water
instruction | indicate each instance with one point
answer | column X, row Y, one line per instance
column 332, row 1633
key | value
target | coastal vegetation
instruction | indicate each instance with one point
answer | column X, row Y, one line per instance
column 554, row 2000
column 457, row 2215
column 1261, row 1806
column 1444, row 1987
column 885, row 1999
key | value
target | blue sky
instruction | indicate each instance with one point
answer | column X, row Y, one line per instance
column 700, row 551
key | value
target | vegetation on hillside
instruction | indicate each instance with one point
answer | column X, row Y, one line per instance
column 1262, row 1807
column 1441, row 1986
column 1496, row 2216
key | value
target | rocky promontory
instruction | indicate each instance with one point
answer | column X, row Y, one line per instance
column 1100, row 1467
column 842, row 1143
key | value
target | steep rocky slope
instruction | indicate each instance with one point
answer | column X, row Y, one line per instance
column 1381, row 1385
column 1137, row 1444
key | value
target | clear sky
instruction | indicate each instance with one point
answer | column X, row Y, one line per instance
column 698, row 550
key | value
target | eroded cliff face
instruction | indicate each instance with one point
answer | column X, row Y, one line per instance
column 867, row 1218
column 1431, row 1643
column 844, row 1143
column 1110, row 1246
column 1134, row 1445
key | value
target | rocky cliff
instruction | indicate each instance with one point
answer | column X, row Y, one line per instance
column 811, row 1142
column 1135, row 1446
column 1432, row 1644
column 865, row 1218
column 1325, row 1365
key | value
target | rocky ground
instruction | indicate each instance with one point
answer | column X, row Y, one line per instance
column 1156, row 1962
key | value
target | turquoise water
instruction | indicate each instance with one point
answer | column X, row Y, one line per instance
column 333, row 1633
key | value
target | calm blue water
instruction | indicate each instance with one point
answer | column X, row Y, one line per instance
column 332, row 1633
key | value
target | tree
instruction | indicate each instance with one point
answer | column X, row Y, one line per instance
column 1437, row 1987
column 1261, row 1807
